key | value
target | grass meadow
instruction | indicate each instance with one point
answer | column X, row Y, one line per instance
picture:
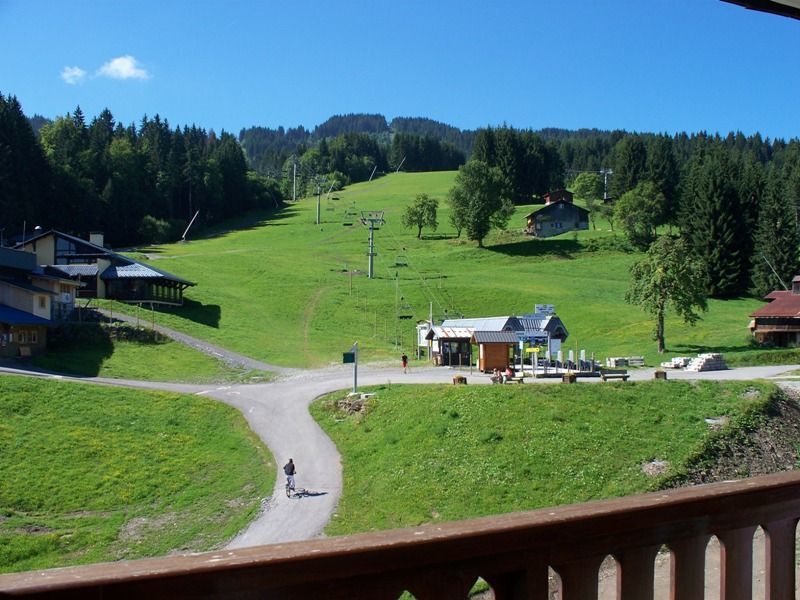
column 422, row 454
column 95, row 353
column 94, row 473
column 279, row 288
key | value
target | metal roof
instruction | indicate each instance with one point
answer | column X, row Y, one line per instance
column 450, row 333
column 497, row 337
column 24, row 285
column 117, row 260
column 785, row 304
column 14, row 316
column 134, row 271
column 484, row 323
column 17, row 259
column 89, row 270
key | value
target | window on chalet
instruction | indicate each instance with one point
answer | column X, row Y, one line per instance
column 42, row 301
column 64, row 250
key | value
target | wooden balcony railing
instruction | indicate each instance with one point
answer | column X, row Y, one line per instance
column 512, row 552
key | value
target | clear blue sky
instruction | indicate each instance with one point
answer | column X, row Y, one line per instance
column 639, row 65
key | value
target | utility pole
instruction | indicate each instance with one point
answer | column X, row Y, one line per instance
column 318, row 181
column 373, row 219
column 294, row 179
column 605, row 172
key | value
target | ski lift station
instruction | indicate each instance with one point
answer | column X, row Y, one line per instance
column 500, row 341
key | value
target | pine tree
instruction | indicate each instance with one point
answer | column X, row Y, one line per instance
column 775, row 261
column 711, row 222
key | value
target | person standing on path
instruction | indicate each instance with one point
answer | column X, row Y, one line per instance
column 404, row 360
column 289, row 469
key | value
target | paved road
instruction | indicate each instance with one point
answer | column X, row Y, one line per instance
column 278, row 412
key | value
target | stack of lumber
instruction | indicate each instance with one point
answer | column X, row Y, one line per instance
column 710, row 361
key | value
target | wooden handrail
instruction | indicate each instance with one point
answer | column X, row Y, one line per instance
column 512, row 552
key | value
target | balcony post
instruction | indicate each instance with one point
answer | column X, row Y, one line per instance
column 635, row 573
column 530, row 584
column 736, row 563
column 579, row 578
column 442, row 585
column 688, row 568
column 779, row 543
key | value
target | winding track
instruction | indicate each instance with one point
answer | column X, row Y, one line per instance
column 278, row 413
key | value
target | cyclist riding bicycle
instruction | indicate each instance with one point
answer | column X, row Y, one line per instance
column 289, row 469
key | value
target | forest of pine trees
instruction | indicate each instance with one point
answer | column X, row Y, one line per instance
column 136, row 184
column 734, row 199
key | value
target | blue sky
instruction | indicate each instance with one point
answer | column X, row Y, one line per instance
column 639, row 65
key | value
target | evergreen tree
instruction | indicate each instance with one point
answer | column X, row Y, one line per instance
column 662, row 169
column 776, row 246
column 629, row 161
column 711, row 223
column 25, row 176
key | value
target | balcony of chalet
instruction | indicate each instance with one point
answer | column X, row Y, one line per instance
column 542, row 554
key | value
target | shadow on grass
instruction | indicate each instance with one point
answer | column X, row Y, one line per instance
column 697, row 349
column 77, row 350
column 204, row 314
column 248, row 221
column 438, row 236
column 561, row 248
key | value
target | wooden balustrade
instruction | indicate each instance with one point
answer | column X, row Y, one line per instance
column 512, row 552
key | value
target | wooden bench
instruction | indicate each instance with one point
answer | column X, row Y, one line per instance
column 606, row 375
column 516, row 379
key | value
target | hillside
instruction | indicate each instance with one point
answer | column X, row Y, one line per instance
column 282, row 289
column 455, row 453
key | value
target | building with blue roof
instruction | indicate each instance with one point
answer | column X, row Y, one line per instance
column 31, row 301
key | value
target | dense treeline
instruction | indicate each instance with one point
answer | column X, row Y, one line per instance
column 529, row 165
column 734, row 199
column 461, row 140
column 137, row 184
column 268, row 149
column 352, row 123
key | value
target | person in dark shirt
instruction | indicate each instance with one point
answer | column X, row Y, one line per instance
column 289, row 469
column 404, row 361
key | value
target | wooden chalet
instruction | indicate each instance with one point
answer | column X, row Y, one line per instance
column 778, row 321
column 556, row 218
column 103, row 273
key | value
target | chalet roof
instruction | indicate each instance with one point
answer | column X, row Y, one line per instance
column 496, row 337
column 14, row 316
column 134, row 271
column 450, row 333
column 552, row 206
column 484, row 323
column 17, row 259
column 27, row 286
column 89, row 270
column 131, row 269
column 783, row 304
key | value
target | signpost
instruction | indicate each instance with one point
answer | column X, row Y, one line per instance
column 351, row 356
